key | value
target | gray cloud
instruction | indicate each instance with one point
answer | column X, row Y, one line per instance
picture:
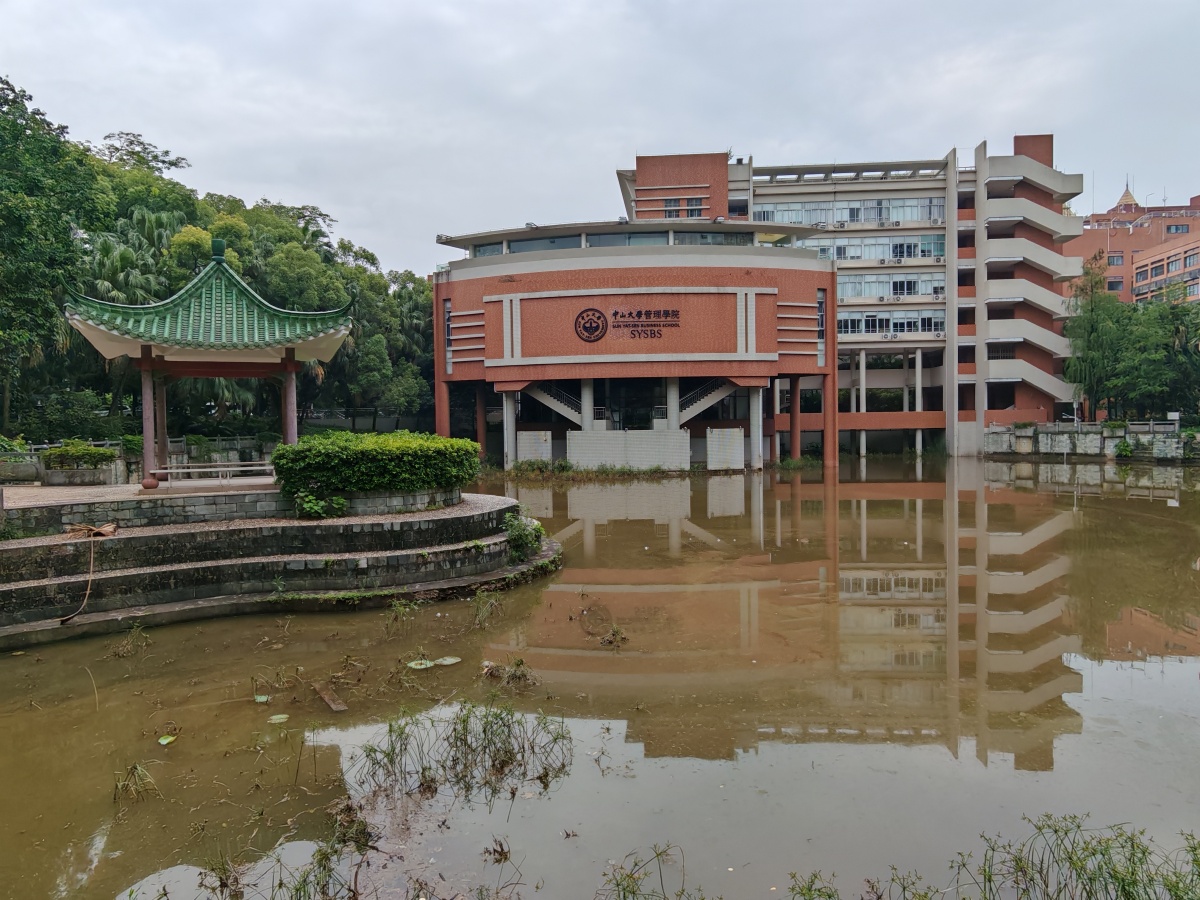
column 406, row 119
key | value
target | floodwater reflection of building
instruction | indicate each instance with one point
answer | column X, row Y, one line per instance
column 759, row 609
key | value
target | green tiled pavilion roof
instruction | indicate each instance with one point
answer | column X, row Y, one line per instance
column 216, row 310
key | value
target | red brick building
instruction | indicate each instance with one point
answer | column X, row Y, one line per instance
column 882, row 303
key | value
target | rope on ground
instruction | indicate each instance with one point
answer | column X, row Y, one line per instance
column 92, row 533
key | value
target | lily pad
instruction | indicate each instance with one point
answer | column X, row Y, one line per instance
column 447, row 661
column 278, row 719
column 421, row 664
column 167, row 739
column 262, row 698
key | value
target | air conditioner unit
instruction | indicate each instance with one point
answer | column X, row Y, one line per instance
column 839, row 225
column 881, row 300
column 937, row 221
column 895, row 224
column 896, row 298
column 939, row 259
column 841, row 299
column 939, row 334
column 883, row 262
column 896, row 262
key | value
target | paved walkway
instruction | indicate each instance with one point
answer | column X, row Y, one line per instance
column 38, row 495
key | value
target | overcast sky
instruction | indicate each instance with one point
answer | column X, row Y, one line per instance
column 405, row 119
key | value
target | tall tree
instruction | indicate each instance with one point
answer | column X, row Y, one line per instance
column 1094, row 331
column 48, row 192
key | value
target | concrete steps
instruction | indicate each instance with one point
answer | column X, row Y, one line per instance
column 26, row 601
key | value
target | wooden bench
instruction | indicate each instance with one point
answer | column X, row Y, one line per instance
column 223, row 471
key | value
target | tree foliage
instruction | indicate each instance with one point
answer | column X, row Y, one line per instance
column 1135, row 360
column 109, row 222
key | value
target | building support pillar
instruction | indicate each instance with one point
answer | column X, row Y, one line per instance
column 672, row 404
column 920, row 401
column 829, row 415
column 587, row 403
column 441, row 407
column 161, row 447
column 481, row 418
column 148, row 479
column 510, row 429
column 905, row 406
column 862, row 400
column 920, row 530
column 756, row 428
column 795, row 436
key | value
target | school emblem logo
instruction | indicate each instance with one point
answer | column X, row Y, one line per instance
column 591, row 325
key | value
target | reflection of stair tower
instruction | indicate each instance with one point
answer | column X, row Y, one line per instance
column 1015, row 593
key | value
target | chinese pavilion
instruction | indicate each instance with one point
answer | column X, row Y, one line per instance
column 215, row 327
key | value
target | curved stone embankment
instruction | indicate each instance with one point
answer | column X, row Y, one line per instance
column 212, row 568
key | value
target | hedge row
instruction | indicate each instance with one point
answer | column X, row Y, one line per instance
column 77, row 454
column 337, row 462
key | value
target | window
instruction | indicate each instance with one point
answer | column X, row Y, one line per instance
column 671, row 208
column 715, row 238
column 566, row 242
column 488, row 249
column 1115, row 284
column 1142, row 275
column 853, row 212
column 694, row 209
column 1157, row 271
column 1193, row 289
column 1002, row 351
column 892, row 321
column 632, row 239
column 917, row 284
column 1174, row 264
column 1192, row 259
column 1116, row 259
column 820, row 314
column 1178, row 229
column 913, row 246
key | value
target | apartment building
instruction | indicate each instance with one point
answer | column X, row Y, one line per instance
column 1128, row 231
column 1168, row 271
column 861, row 306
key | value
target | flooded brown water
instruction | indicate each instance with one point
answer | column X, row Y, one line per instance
column 840, row 676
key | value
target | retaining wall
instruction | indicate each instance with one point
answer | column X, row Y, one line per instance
column 27, row 560
column 193, row 508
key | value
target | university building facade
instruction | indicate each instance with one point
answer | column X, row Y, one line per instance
column 736, row 313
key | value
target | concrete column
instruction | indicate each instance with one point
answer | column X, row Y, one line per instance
column 510, row 428
column 289, row 408
column 757, row 529
column 674, row 537
column 148, row 479
column 920, row 439
column 829, row 416
column 481, row 419
column 587, row 402
column 862, row 531
column 161, row 447
column 921, row 531
column 441, row 406
column 756, row 428
column 862, row 399
column 795, row 436
column 672, row 404
column 905, row 406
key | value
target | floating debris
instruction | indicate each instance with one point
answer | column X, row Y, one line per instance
column 262, row 698
column 422, row 664
column 447, row 661
column 278, row 719
column 167, row 739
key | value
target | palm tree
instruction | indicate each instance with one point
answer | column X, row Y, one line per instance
column 120, row 273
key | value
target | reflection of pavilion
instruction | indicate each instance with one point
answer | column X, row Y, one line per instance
column 812, row 612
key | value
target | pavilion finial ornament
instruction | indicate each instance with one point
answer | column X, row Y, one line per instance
column 591, row 325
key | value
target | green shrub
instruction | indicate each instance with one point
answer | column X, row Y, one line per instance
column 12, row 445
column 268, row 439
column 312, row 507
column 131, row 446
column 1024, row 424
column 75, row 454
column 524, row 537
column 1115, row 424
column 1124, row 449
column 199, row 447
column 335, row 462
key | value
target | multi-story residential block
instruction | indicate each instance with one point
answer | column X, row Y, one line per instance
column 736, row 312
column 1127, row 232
column 1168, row 271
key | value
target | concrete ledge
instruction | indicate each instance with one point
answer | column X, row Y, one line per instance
column 14, row 637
